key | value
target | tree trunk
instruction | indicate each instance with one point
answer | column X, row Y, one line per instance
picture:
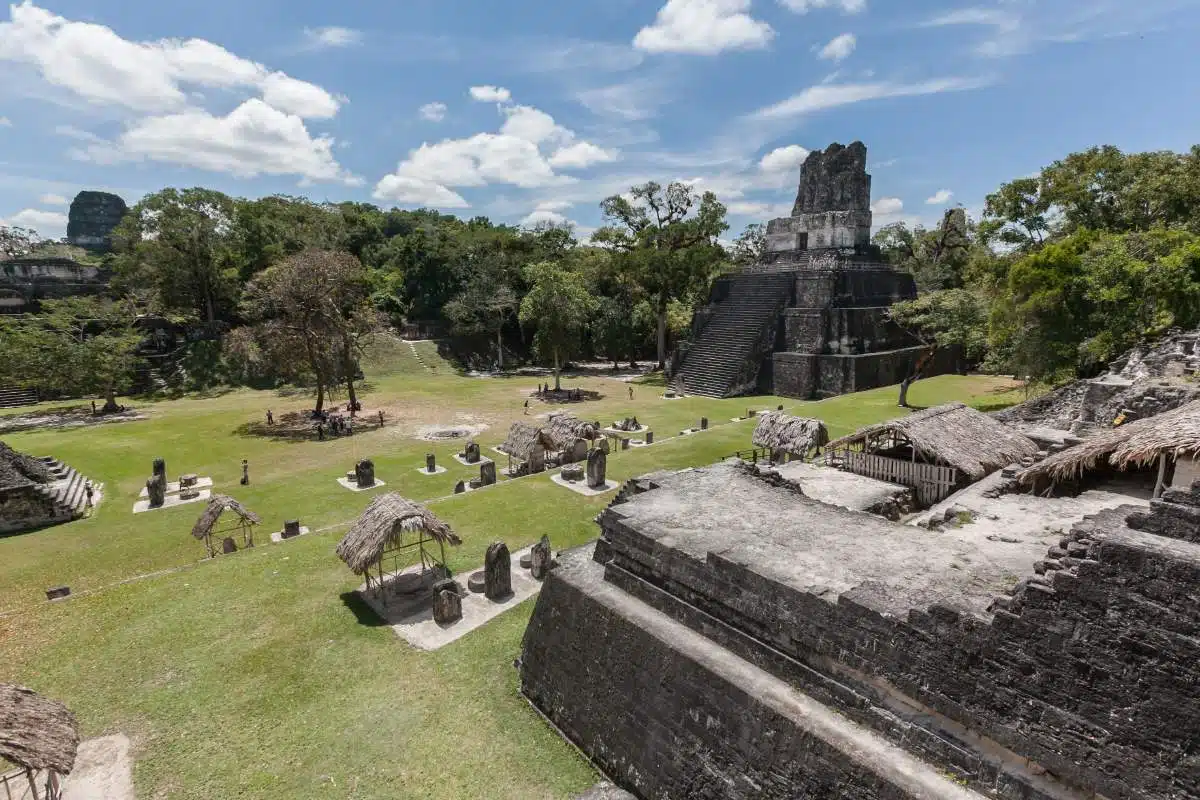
column 348, row 369
column 500, row 346
column 315, row 363
column 110, row 398
column 904, row 384
column 662, row 332
column 557, row 372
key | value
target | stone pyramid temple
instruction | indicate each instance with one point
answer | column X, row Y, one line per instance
column 810, row 320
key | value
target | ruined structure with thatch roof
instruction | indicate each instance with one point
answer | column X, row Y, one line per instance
column 935, row 451
column 1169, row 441
column 206, row 527
column 40, row 737
column 389, row 530
column 569, row 436
column 789, row 437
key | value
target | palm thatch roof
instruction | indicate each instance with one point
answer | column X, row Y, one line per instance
column 563, row 430
column 385, row 522
column 217, row 505
column 1139, row 443
column 522, row 438
column 36, row 732
column 795, row 435
column 953, row 434
column 18, row 469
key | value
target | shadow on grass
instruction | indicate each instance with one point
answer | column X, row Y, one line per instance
column 365, row 615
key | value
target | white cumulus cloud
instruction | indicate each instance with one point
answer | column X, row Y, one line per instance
column 49, row 224
column 432, row 112
column 784, row 159
column 253, row 139
column 53, row 200
column 547, row 213
column 803, row 6
column 703, row 27
column 940, row 197
column 490, row 94
column 331, row 36
column 839, row 48
column 526, row 152
column 5, row 122
column 99, row 66
column 887, row 206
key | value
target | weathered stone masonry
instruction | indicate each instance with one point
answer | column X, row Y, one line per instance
column 1079, row 680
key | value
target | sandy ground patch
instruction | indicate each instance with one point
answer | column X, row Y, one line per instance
column 103, row 770
column 78, row 417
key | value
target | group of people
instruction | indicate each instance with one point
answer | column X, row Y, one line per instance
column 336, row 424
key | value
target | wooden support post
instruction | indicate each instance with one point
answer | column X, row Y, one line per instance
column 1162, row 474
column 32, row 782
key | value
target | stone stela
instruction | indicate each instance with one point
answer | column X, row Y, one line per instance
column 810, row 320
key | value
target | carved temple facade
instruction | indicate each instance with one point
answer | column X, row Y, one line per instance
column 810, row 320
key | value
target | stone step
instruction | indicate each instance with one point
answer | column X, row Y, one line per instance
column 12, row 397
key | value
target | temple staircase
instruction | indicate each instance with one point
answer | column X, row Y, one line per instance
column 67, row 492
column 11, row 397
column 716, row 363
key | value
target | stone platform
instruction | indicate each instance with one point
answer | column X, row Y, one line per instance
column 173, row 487
column 728, row 637
column 171, row 501
column 347, row 483
column 581, row 487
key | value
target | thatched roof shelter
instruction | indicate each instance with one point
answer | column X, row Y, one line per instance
column 383, row 526
column 522, row 438
column 952, row 434
column 35, row 732
column 1174, row 434
column 218, row 505
column 796, row 435
column 563, row 430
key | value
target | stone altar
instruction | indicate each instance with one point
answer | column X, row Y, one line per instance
column 820, row 296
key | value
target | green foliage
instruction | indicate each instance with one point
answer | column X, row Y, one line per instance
column 16, row 242
column 948, row 318
column 76, row 346
column 560, row 304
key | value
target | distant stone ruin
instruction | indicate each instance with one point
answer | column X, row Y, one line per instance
column 811, row 319
column 92, row 218
column 729, row 637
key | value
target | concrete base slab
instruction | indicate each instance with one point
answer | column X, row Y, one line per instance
column 582, row 488
column 103, row 770
column 346, row 483
column 416, row 625
column 625, row 434
column 637, row 443
column 173, row 487
column 277, row 536
column 436, row 470
column 170, row 501
column 676, row 397
column 482, row 460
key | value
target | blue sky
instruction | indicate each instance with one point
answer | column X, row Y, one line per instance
column 527, row 110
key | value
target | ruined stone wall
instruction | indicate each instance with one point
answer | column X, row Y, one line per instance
column 829, row 229
column 834, row 180
column 669, row 723
column 1088, row 671
column 92, row 218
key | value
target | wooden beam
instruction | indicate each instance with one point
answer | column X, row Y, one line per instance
column 1162, row 474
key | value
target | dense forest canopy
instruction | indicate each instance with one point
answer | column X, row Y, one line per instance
column 1064, row 271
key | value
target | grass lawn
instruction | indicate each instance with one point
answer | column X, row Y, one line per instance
column 257, row 675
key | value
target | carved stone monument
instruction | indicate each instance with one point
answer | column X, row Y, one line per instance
column 364, row 473
column 539, row 561
column 649, row 437
column 471, row 453
column 597, row 464
column 228, row 545
column 447, row 602
column 704, row 423
column 460, row 487
column 291, row 529
column 160, row 468
column 487, row 473
column 497, row 571
column 156, row 490
column 430, row 463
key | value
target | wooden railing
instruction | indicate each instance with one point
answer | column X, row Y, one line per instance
column 930, row 482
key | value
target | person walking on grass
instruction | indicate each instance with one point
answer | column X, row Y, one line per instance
column 526, row 408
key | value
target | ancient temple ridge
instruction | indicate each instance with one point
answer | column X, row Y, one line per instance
column 810, row 320
column 92, row 218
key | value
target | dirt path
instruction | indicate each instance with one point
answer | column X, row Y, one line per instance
column 103, row 770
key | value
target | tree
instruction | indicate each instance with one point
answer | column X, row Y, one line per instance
column 670, row 249
column 312, row 309
column 951, row 318
column 750, row 246
column 484, row 306
column 183, row 244
column 560, row 306
column 936, row 258
column 1017, row 215
column 78, row 345
column 16, row 242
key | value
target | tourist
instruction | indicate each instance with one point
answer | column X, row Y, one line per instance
column 381, row 417
column 320, row 432
column 270, row 417
column 526, row 407
column 93, row 408
column 245, row 472
column 88, row 490
column 630, row 392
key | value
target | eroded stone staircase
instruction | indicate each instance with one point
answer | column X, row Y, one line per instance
column 11, row 397
column 726, row 354
column 68, row 492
